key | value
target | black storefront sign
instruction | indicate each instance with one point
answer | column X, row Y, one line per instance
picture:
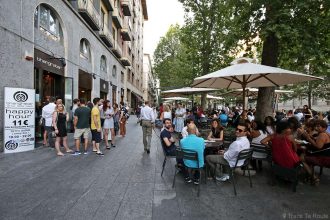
column 48, row 63
column 104, row 86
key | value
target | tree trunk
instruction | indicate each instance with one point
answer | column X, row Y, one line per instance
column 204, row 101
column 266, row 94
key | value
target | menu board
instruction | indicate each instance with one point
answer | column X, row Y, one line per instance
column 19, row 120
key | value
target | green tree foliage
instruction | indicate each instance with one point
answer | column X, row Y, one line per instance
column 171, row 63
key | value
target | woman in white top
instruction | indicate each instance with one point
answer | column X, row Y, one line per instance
column 180, row 114
column 167, row 113
column 257, row 133
column 270, row 124
column 108, row 113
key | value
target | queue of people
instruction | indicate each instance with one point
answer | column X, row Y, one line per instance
column 100, row 118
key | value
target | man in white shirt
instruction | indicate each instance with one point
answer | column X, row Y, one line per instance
column 47, row 114
column 147, row 121
column 229, row 157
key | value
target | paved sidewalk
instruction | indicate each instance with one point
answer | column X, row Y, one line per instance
column 126, row 184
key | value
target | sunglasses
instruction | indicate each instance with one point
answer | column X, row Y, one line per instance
column 239, row 130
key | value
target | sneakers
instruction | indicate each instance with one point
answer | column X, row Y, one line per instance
column 85, row 152
column 223, row 178
column 76, row 153
column 113, row 145
column 187, row 180
column 100, row 154
column 196, row 182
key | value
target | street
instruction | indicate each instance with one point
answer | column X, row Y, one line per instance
column 126, row 184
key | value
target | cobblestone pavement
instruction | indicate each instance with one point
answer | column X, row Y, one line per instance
column 126, row 184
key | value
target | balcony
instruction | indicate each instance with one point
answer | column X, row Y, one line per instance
column 117, row 19
column 106, row 36
column 127, row 7
column 109, row 4
column 117, row 50
column 125, row 33
column 125, row 61
column 89, row 13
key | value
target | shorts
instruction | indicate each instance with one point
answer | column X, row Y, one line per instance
column 96, row 136
column 81, row 131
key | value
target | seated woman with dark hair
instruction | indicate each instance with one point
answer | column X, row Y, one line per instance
column 321, row 143
column 216, row 133
column 284, row 149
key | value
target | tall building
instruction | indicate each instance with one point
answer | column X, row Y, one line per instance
column 150, row 91
column 73, row 49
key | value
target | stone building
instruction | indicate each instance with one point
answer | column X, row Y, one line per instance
column 73, row 49
column 150, row 91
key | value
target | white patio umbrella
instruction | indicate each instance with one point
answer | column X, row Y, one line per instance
column 214, row 97
column 177, row 98
column 249, row 92
column 245, row 75
column 186, row 91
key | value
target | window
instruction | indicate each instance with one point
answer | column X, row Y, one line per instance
column 114, row 71
column 46, row 20
column 85, row 49
column 103, row 64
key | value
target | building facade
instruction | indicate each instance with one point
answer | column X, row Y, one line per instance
column 150, row 91
column 73, row 49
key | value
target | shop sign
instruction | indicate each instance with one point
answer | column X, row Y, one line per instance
column 47, row 62
column 19, row 120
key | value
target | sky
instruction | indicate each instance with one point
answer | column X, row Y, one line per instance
column 161, row 14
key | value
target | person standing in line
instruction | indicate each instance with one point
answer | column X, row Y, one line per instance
column 108, row 123
column 47, row 113
column 180, row 114
column 96, row 127
column 76, row 104
column 123, row 119
column 116, row 118
column 60, row 118
column 81, row 126
column 148, row 121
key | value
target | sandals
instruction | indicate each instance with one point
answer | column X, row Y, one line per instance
column 60, row 154
column 69, row 151
column 315, row 181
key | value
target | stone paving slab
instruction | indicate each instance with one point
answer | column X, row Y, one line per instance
column 126, row 184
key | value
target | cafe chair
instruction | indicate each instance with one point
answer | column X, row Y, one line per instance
column 188, row 155
column 245, row 155
column 261, row 153
column 290, row 174
column 166, row 157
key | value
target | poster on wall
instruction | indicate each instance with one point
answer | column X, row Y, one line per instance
column 19, row 120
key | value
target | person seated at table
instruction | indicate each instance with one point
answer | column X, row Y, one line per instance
column 294, row 125
column 223, row 117
column 284, row 149
column 184, row 132
column 257, row 133
column 193, row 143
column 321, row 142
column 308, row 130
column 270, row 124
column 229, row 157
column 216, row 133
column 167, row 139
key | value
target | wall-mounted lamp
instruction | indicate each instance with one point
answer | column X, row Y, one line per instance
column 111, row 83
column 61, row 59
column 94, row 75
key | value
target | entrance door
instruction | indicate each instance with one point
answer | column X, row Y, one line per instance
column 52, row 85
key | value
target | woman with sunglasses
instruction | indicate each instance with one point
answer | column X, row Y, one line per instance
column 284, row 149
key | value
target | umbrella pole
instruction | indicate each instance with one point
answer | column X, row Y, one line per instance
column 244, row 95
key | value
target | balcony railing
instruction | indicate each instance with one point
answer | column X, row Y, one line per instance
column 117, row 50
column 125, row 61
column 106, row 36
column 89, row 13
column 117, row 19
column 125, row 33
column 127, row 7
column 109, row 4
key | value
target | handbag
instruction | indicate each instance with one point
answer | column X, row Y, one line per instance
column 42, row 122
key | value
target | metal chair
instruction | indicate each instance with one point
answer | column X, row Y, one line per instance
column 259, row 148
column 245, row 155
column 166, row 156
column 187, row 155
column 290, row 174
